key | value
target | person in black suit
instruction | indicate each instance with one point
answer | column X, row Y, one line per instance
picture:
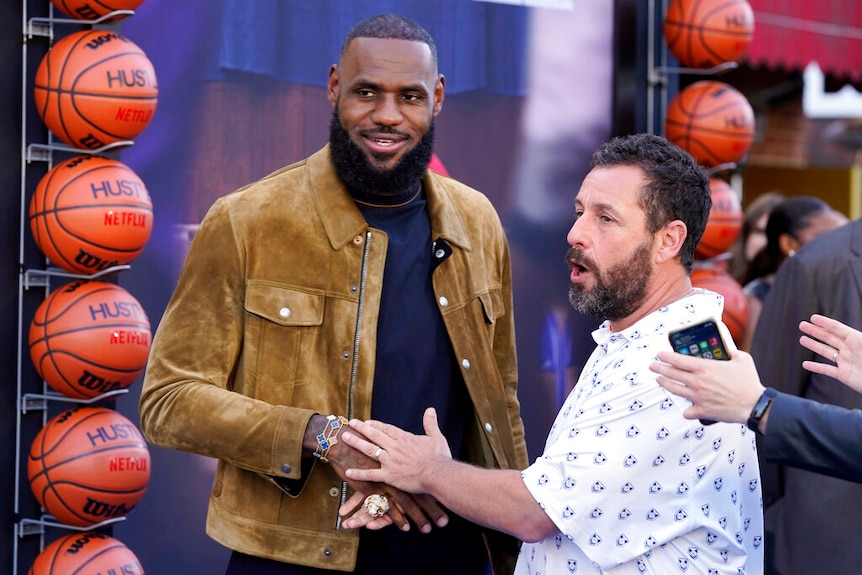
column 808, row 525
column 798, row 432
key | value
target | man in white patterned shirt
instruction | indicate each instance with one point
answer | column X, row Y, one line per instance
column 626, row 484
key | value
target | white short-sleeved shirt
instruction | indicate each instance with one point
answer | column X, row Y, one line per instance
column 632, row 485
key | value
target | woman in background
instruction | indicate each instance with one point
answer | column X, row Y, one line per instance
column 752, row 236
column 791, row 224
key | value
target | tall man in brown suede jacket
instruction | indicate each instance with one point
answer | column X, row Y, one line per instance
column 352, row 284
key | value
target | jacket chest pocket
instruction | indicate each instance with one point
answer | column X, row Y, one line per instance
column 280, row 322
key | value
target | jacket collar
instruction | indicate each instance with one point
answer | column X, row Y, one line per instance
column 343, row 221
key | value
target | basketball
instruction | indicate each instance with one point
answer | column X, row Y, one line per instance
column 735, row 305
column 93, row 9
column 87, row 465
column 712, row 121
column 94, row 88
column 706, row 33
column 724, row 223
column 90, row 213
column 88, row 338
column 86, row 553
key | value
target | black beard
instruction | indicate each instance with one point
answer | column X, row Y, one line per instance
column 619, row 291
column 361, row 176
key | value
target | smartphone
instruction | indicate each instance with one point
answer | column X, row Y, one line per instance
column 700, row 340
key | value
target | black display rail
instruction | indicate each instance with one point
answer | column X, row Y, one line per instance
column 34, row 397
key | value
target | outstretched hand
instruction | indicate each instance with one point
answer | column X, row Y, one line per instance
column 405, row 508
column 719, row 390
column 404, row 459
column 840, row 344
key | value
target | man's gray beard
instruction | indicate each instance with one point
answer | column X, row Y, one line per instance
column 619, row 291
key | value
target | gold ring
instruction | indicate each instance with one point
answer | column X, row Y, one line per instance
column 834, row 356
column 377, row 453
column 377, row 505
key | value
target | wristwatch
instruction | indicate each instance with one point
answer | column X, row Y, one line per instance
column 760, row 408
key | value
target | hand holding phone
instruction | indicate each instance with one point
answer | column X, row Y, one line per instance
column 700, row 340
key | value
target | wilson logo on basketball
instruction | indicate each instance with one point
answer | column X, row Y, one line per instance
column 86, row 553
column 99, row 510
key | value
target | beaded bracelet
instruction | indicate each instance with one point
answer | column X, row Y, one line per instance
column 329, row 436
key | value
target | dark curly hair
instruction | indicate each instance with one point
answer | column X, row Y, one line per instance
column 390, row 27
column 677, row 187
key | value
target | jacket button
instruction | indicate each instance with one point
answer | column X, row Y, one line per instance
column 327, row 552
column 284, row 312
column 345, row 355
column 443, row 301
column 285, row 468
column 439, row 253
column 465, row 363
column 333, row 491
column 357, row 240
column 353, row 288
column 488, row 428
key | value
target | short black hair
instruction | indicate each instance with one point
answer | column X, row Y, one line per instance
column 390, row 27
column 677, row 187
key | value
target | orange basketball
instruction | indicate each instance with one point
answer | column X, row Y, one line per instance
column 95, row 87
column 90, row 213
column 88, row 338
column 705, row 33
column 93, row 9
column 712, row 121
column 735, row 305
column 87, row 465
column 86, row 553
column 724, row 223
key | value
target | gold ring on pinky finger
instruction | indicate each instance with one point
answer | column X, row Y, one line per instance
column 377, row 505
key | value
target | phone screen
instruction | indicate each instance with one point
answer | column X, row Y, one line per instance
column 701, row 340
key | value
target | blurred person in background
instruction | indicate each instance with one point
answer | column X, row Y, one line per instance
column 752, row 235
column 791, row 224
column 811, row 522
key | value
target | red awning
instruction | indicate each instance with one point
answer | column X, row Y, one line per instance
column 791, row 33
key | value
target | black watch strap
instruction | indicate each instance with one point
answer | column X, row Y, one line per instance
column 760, row 408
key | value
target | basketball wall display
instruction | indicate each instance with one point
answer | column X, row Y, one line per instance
column 90, row 213
column 93, row 9
column 94, row 88
column 706, row 33
column 713, row 121
column 86, row 553
column 735, row 311
column 87, row 465
column 88, row 338
column 724, row 223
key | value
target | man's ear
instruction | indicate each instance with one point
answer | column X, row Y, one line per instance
column 332, row 86
column 670, row 239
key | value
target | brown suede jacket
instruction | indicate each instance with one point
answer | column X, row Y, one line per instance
column 274, row 320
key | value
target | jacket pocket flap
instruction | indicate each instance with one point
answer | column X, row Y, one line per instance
column 284, row 306
column 492, row 305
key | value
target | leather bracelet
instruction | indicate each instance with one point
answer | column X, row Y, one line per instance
column 760, row 408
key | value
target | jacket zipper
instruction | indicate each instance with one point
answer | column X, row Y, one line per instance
column 355, row 361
